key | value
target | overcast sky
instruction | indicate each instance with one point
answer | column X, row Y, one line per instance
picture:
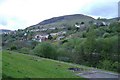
column 19, row 14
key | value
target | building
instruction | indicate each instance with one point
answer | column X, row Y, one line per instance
column 40, row 37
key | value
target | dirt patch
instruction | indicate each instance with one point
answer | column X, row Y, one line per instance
column 75, row 69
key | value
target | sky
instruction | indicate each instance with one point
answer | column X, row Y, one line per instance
column 19, row 14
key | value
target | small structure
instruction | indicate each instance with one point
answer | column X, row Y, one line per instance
column 60, row 37
column 77, row 25
column 52, row 28
column 99, row 24
column 80, row 26
column 44, row 29
column 53, row 34
column 41, row 38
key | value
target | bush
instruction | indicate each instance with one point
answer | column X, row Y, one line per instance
column 46, row 50
column 13, row 48
column 106, row 35
column 25, row 50
column 116, row 66
column 106, row 64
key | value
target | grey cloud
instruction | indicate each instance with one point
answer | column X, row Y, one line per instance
column 108, row 10
column 103, row 9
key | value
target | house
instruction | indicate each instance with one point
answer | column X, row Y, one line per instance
column 62, row 32
column 35, row 30
column 41, row 38
column 77, row 25
column 62, row 27
column 60, row 37
column 53, row 34
column 98, row 24
column 80, row 26
column 52, row 28
column 44, row 29
column 25, row 34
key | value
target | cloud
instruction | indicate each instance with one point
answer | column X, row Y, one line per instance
column 34, row 11
column 12, row 23
column 23, row 13
column 102, row 8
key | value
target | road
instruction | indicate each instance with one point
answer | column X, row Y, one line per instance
column 96, row 74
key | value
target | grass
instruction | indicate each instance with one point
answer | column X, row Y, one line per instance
column 0, row 64
column 17, row 65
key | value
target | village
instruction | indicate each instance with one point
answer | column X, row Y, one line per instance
column 40, row 34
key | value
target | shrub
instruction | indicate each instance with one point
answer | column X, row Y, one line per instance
column 13, row 48
column 46, row 50
column 106, row 64
column 116, row 66
column 106, row 35
column 25, row 50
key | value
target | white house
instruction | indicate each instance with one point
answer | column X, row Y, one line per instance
column 44, row 29
column 60, row 37
column 52, row 28
column 78, row 26
column 53, row 34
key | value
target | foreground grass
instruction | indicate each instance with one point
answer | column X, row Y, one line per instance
column 0, row 64
column 18, row 65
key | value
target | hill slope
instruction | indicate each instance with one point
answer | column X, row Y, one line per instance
column 66, row 17
column 4, row 31
column 66, row 20
column 18, row 65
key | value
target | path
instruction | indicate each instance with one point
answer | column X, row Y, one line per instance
column 94, row 74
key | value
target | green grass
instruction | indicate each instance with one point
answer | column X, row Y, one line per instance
column 0, row 64
column 17, row 65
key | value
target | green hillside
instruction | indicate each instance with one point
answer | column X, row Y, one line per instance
column 0, row 65
column 16, row 65
column 66, row 20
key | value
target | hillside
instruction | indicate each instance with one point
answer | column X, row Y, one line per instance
column 0, row 64
column 14, row 66
column 66, row 20
column 4, row 31
column 66, row 17
column 59, row 39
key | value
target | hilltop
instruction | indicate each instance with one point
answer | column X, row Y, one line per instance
column 66, row 20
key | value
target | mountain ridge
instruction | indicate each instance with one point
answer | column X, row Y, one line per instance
column 59, row 18
column 64, row 20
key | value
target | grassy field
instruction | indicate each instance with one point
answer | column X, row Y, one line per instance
column 18, row 65
column 0, row 64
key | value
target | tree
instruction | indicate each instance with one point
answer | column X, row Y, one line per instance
column 90, row 41
column 82, row 23
column 90, row 46
column 50, row 37
column 106, row 64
